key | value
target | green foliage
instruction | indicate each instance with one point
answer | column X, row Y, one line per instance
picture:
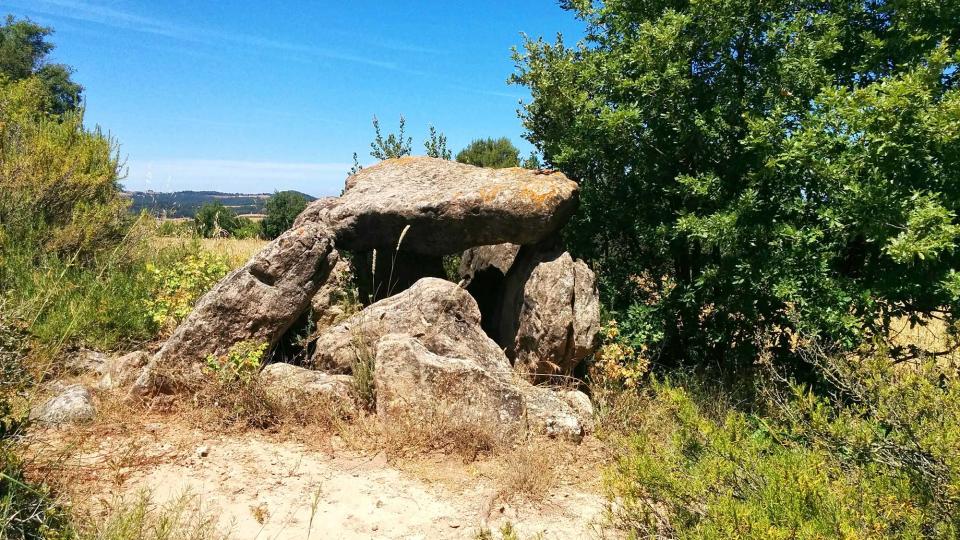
column 23, row 52
column 248, row 228
column 878, row 461
column 179, row 229
column 436, row 145
column 178, row 285
column 180, row 518
column 496, row 153
column 240, row 364
column 753, row 169
column 28, row 511
column 214, row 220
column 394, row 145
column 58, row 181
column 532, row 162
column 282, row 209
column 507, row 532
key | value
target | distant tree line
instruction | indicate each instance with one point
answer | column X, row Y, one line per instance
column 214, row 219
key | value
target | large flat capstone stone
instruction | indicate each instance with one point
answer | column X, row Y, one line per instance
column 448, row 206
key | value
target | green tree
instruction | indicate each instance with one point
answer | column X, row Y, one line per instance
column 436, row 145
column 282, row 209
column 754, row 171
column 394, row 145
column 496, row 153
column 215, row 219
column 23, row 53
column 532, row 162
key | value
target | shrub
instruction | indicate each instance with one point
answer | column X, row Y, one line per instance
column 181, row 518
column 496, row 153
column 58, row 181
column 214, row 220
column 241, row 363
column 755, row 170
column 394, row 145
column 878, row 461
column 436, row 145
column 282, row 209
column 27, row 510
column 176, row 287
column 248, row 228
column 175, row 228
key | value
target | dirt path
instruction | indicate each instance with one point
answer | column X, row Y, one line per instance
column 300, row 493
column 269, row 486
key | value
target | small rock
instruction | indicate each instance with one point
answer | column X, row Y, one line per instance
column 73, row 405
column 87, row 361
column 123, row 370
column 203, row 451
column 294, row 383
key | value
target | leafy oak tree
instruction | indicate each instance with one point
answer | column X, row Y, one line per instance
column 215, row 219
column 23, row 54
column 751, row 172
column 496, row 153
column 282, row 209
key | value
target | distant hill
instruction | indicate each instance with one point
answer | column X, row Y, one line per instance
column 182, row 204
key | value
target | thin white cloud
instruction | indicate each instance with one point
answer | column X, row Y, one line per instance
column 89, row 12
column 235, row 176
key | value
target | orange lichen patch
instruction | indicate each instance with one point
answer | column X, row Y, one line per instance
column 537, row 193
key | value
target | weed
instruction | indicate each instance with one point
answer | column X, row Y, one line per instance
column 176, row 287
column 439, row 427
column 528, row 472
column 363, row 368
column 182, row 518
column 507, row 532
column 240, row 364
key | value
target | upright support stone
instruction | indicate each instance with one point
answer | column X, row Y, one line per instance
column 257, row 302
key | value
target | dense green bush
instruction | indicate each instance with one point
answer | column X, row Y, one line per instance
column 496, row 153
column 881, row 460
column 282, row 209
column 214, row 220
column 750, row 170
column 178, row 284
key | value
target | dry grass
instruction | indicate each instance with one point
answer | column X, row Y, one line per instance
column 252, row 404
column 182, row 518
column 235, row 251
column 431, row 430
column 529, row 471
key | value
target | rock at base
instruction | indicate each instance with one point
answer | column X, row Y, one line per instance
column 443, row 316
column 550, row 312
column 287, row 380
column 71, row 406
column 122, row 371
column 86, row 361
column 411, row 380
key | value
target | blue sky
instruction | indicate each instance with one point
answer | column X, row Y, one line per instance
column 252, row 96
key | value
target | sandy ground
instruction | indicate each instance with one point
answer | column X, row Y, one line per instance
column 262, row 485
column 301, row 493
